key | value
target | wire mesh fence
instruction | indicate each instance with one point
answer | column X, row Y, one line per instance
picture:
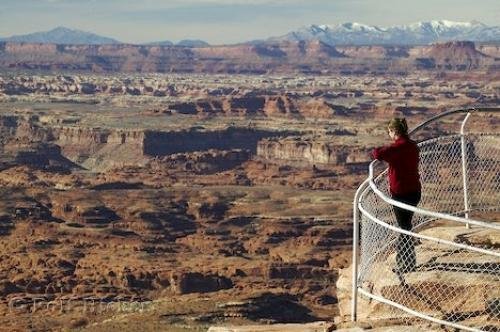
column 440, row 270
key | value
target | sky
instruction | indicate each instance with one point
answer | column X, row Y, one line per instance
column 226, row 21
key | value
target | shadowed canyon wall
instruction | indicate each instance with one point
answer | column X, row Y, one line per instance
column 102, row 148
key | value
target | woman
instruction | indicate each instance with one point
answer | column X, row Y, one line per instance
column 404, row 186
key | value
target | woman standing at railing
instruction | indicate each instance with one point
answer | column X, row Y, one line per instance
column 404, row 185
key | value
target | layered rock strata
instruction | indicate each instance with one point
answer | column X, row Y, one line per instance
column 307, row 57
column 304, row 151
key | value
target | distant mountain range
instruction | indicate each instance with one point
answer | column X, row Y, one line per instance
column 341, row 34
column 62, row 35
column 184, row 43
column 413, row 34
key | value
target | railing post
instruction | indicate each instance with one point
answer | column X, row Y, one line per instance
column 355, row 244
column 355, row 251
column 464, row 167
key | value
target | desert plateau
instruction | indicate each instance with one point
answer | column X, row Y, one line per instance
column 172, row 188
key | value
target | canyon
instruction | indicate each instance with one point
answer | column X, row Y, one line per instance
column 182, row 201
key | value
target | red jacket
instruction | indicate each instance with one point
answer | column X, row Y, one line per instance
column 403, row 158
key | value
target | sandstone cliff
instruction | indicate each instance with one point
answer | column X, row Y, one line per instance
column 307, row 57
column 304, row 151
column 456, row 55
column 103, row 148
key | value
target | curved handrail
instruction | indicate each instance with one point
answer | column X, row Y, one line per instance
column 425, row 211
column 426, row 237
column 408, row 207
column 369, row 183
column 455, row 111
column 416, row 313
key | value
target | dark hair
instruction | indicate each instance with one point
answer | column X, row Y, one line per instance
column 399, row 125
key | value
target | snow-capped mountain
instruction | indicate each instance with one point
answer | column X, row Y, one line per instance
column 416, row 33
column 62, row 35
column 340, row 34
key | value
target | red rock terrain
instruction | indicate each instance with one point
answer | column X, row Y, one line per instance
column 306, row 57
column 454, row 56
column 180, row 202
column 166, row 217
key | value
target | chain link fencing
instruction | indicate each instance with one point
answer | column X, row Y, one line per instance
column 446, row 269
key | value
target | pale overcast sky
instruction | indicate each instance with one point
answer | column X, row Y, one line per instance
column 226, row 21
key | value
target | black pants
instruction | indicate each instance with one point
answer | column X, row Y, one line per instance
column 405, row 255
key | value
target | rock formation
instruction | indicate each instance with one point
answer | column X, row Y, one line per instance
column 165, row 201
column 307, row 57
column 299, row 151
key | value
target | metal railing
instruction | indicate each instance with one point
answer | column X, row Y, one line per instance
column 448, row 264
